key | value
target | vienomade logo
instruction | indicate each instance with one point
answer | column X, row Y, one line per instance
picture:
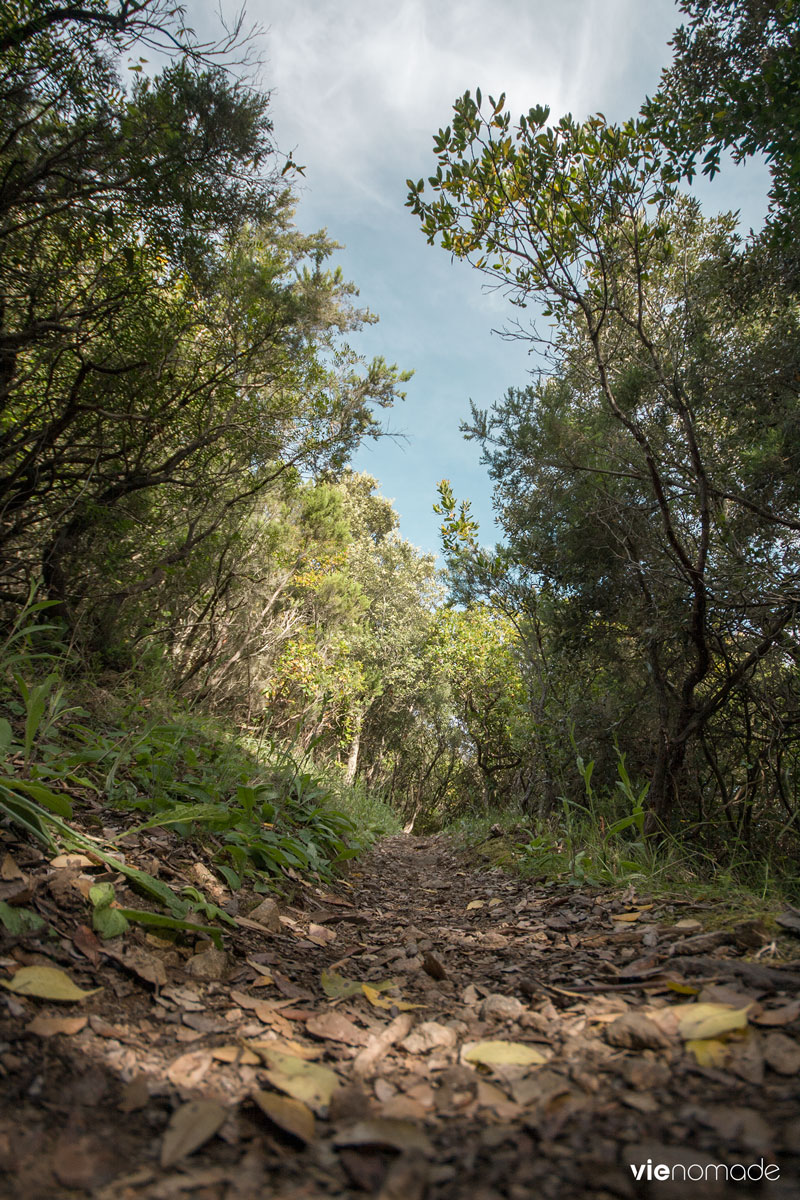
column 696, row 1172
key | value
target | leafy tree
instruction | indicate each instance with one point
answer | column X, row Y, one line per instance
column 734, row 84
column 626, row 479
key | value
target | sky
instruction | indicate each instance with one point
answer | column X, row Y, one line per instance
column 358, row 89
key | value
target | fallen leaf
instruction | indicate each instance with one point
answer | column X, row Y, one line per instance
column 189, row 1069
column 696, row 1021
column 380, row 1043
column 387, row 1002
column 72, row 862
column 9, row 869
column 626, row 917
column 46, row 983
column 286, row 1046
column 88, row 943
column 148, row 967
column 785, row 1014
column 782, row 1053
column 336, row 1027
column 708, row 1052
column 19, row 921
column 429, row 1035
column 135, row 1095
column 380, row 1131
column 475, row 904
column 49, row 1026
column 746, row 1059
column 683, row 989
column 262, row 970
column 305, row 1081
column 497, row 1054
column 235, row 1054
column 635, row 1031
column 320, row 935
column 190, row 1127
column 288, row 1114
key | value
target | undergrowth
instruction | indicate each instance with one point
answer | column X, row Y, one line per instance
column 600, row 842
column 126, row 761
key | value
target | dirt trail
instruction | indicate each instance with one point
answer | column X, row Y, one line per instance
column 305, row 1084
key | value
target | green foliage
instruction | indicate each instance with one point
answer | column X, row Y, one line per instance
column 653, row 590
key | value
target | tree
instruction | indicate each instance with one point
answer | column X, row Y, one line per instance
column 734, row 84
column 627, row 478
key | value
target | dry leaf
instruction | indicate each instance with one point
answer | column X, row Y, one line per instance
column 287, row 1046
column 49, row 1026
column 305, row 1081
column 635, row 1031
column 46, row 983
column 189, row 1069
column 502, row 1054
column 336, row 1027
column 429, row 1035
column 387, row 1002
column 398, row 1135
column 626, row 917
column 784, row 1015
column 379, row 1044
column 475, row 904
column 148, row 967
column 290, row 1115
column 696, row 1021
column 9, row 869
column 235, row 1054
column 189, row 1128
column 71, row 862
column 320, row 935
column 782, row 1053
column 135, row 1095
column 708, row 1052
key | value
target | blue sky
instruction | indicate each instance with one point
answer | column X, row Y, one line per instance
column 358, row 88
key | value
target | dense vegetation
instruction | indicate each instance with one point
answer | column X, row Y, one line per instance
column 212, row 621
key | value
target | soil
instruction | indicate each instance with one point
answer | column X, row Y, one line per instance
column 268, row 1070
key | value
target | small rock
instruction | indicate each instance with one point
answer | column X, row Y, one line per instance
column 209, row 966
column 497, row 1007
column 267, row 914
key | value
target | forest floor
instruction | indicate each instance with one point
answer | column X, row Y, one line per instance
column 535, row 1041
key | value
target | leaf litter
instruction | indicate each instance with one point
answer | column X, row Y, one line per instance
column 493, row 1038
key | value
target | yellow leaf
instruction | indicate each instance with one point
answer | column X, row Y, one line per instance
column 502, row 1054
column 305, row 1081
column 683, row 989
column 46, row 983
column 387, row 1002
column 698, row 1021
column 475, row 904
column 290, row 1115
column 628, row 916
column 708, row 1052
column 495, row 900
